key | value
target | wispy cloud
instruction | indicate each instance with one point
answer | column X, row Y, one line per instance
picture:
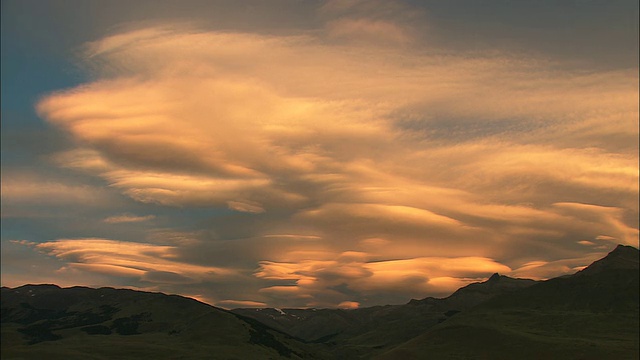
column 352, row 274
column 230, row 304
column 25, row 188
column 128, row 218
column 146, row 262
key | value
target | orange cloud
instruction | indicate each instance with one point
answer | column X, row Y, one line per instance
column 607, row 221
column 439, row 159
column 127, row 218
column 349, row 305
column 216, row 131
column 246, row 206
column 230, row 304
column 409, row 277
column 543, row 270
column 151, row 263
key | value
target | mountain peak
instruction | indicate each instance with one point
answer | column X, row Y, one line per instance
column 495, row 277
column 624, row 250
column 622, row 257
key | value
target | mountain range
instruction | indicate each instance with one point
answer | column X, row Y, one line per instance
column 592, row 314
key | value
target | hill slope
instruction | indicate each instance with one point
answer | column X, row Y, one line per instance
column 592, row 314
column 362, row 332
column 45, row 321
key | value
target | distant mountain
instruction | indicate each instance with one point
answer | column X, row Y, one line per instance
column 622, row 257
column 607, row 285
column 476, row 293
column 593, row 314
column 363, row 332
column 48, row 322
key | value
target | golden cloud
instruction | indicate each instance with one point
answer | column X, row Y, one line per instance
column 349, row 305
column 229, row 304
column 440, row 159
column 409, row 277
column 127, row 218
column 147, row 262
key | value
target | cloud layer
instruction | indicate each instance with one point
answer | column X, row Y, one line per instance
column 357, row 164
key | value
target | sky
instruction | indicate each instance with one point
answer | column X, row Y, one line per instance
column 315, row 153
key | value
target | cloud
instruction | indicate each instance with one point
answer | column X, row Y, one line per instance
column 246, row 206
column 22, row 189
column 144, row 262
column 586, row 243
column 357, row 171
column 230, row 304
column 41, row 196
column 127, row 218
column 543, row 270
column 367, row 30
column 349, row 305
column 603, row 219
column 354, row 274
column 373, row 23
column 293, row 236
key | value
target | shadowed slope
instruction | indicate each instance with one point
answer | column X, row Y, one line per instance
column 45, row 321
column 362, row 332
column 592, row 314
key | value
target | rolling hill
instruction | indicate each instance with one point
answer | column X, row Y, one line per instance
column 48, row 322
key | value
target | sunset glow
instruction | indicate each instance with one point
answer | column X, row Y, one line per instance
column 315, row 154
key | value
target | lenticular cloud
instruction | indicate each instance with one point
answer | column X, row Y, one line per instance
column 431, row 153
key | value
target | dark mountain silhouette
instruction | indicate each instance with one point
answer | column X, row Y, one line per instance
column 592, row 314
column 363, row 332
column 476, row 293
column 621, row 258
column 48, row 322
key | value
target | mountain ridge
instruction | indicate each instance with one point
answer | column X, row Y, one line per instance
column 52, row 322
column 586, row 315
column 592, row 314
column 622, row 257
